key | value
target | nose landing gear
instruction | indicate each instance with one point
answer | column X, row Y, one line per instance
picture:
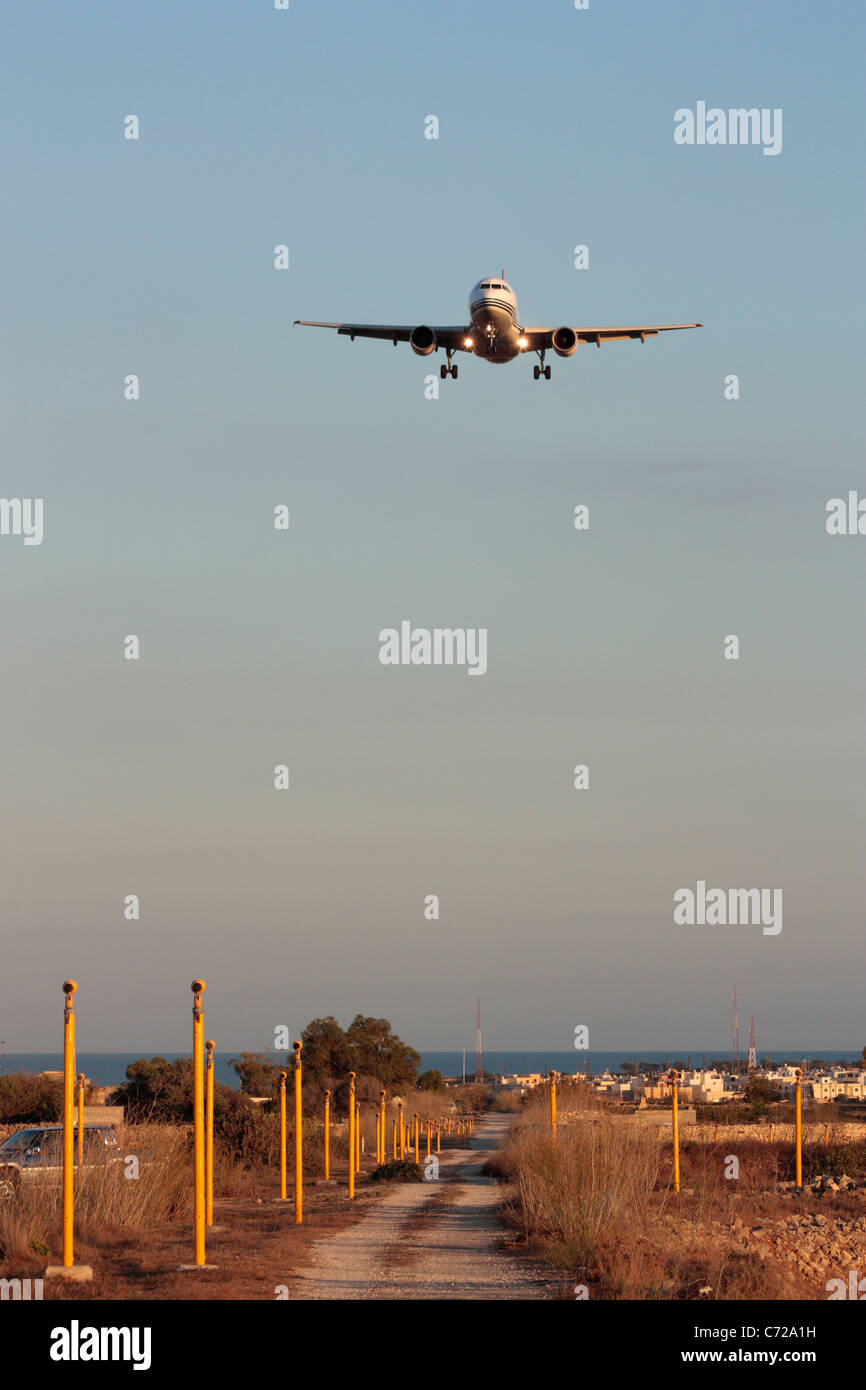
column 448, row 370
column 539, row 371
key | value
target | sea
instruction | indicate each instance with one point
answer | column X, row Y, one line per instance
column 109, row 1068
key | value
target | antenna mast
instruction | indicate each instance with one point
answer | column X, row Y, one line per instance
column 735, row 1035
column 478, row 1067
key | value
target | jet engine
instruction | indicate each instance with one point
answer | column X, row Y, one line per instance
column 564, row 341
column 422, row 340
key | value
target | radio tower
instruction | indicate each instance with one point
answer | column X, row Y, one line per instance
column 753, row 1059
column 735, row 1038
column 478, row 1067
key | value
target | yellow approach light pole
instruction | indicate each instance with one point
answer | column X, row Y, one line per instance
column 327, row 1136
column 798, row 1128
column 553, row 1103
column 381, row 1126
column 299, row 1140
column 68, row 1269
column 210, row 1045
column 676, row 1127
column 351, row 1134
column 283, row 1076
column 357, row 1136
column 69, row 988
column 402, row 1134
column 80, row 1119
column 198, row 987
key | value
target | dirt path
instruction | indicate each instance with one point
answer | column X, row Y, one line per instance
column 431, row 1240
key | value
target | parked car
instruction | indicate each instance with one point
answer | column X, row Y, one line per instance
column 36, row 1154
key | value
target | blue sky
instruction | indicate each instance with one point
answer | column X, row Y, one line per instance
column 706, row 518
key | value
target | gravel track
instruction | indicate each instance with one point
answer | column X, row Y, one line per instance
column 430, row 1240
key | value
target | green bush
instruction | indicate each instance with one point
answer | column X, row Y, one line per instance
column 400, row 1170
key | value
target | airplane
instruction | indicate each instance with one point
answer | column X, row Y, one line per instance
column 494, row 332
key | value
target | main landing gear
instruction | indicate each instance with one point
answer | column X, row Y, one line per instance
column 539, row 371
column 448, row 370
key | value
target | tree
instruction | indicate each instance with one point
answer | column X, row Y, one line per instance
column 759, row 1094
column 379, row 1052
column 259, row 1076
column 327, row 1055
column 431, row 1081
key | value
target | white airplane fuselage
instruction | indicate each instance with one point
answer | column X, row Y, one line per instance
column 495, row 332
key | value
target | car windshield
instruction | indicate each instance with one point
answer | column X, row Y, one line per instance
column 18, row 1141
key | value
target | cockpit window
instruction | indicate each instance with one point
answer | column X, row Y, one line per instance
column 485, row 284
column 495, row 285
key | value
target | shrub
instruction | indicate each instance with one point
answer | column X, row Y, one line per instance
column 26, row 1099
column 397, row 1171
column 431, row 1081
column 575, row 1190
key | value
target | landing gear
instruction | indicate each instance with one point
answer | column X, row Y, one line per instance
column 540, row 370
column 448, row 370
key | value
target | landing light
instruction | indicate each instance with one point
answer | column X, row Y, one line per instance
column 521, row 342
column 467, row 342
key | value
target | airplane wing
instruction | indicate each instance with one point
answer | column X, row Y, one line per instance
column 450, row 337
column 543, row 337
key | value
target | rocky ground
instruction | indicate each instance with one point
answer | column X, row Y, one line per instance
column 820, row 1245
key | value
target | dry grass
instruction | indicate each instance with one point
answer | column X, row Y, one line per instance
column 106, row 1199
column 599, row 1201
column 134, row 1232
column 575, row 1191
column 111, row 1208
